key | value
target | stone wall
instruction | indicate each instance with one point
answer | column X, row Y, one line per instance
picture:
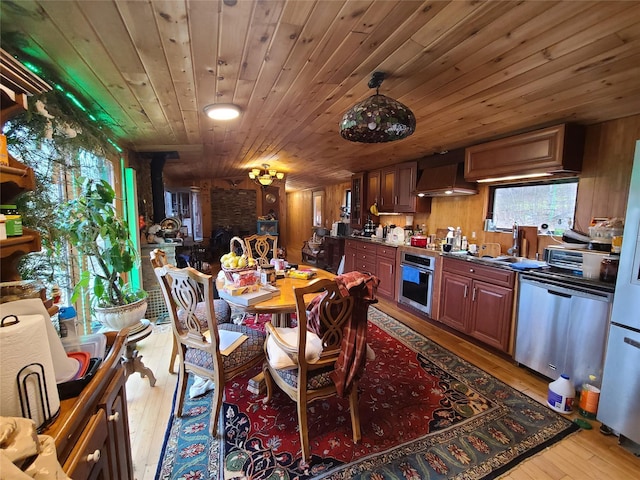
column 234, row 210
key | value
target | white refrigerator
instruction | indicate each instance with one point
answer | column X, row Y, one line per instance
column 619, row 407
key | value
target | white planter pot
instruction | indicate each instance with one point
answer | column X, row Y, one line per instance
column 117, row 318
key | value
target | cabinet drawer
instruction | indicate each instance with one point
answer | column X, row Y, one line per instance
column 366, row 266
column 367, row 247
column 365, row 256
column 494, row 275
column 89, row 458
column 386, row 251
column 351, row 244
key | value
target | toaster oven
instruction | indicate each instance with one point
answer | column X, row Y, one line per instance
column 568, row 259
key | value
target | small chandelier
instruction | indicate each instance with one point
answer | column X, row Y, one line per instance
column 266, row 176
column 378, row 118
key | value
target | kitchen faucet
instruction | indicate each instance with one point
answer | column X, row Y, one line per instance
column 514, row 249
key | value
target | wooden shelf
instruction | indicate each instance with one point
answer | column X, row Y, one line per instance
column 13, row 248
column 15, row 179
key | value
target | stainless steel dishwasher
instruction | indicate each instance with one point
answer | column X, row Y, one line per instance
column 562, row 328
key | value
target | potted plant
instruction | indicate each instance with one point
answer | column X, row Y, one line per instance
column 91, row 224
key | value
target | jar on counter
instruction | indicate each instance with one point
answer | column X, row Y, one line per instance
column 609, row 268
column 13, row 220
column 267, row 275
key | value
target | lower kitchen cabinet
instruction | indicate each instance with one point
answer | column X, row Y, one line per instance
column 350, row 253
column 114, row 403
column 490, row 318
column 478, row 301
column 377, row 259
column 333, row 251
column 455, row 311
column 386, row 271
column 91, row 432
column 88, row 459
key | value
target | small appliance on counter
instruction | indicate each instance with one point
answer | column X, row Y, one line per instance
column 395, row 234
column 419, row 241
column 369, row 228
column 338, row 229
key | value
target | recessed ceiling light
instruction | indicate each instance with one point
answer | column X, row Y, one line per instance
column 222, row 111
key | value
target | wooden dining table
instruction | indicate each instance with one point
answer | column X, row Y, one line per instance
column 281, row 306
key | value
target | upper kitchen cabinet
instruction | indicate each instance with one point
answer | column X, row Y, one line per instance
column 373, row 187
column 553, row 150
column 397, row 190
column 358, row 211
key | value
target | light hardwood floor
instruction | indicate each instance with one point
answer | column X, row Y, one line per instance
column 584, row 455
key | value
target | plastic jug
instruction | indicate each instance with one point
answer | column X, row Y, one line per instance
column 67, row 318
column 561, row 395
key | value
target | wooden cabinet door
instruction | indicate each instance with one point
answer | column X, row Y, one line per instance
column 349, row 256
column 405, row 185
column 387, row 190
column 358, row 215
column 89, row 459
column 373, row 187
column 490, row 316
column 334, row 249
column 114, row 403
column 552, row 150
column 455, row 300
column 386, row 272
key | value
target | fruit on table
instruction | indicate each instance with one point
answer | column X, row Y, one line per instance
column 233, row 260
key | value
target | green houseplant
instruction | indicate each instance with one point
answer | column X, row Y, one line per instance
column 91, row 224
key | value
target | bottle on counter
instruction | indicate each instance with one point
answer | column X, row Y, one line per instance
column 609, row 268
column 561, row 394
column 457, row 240
column 464, row 246
column 589, row 397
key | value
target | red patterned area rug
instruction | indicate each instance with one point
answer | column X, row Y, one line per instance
column 425, row 414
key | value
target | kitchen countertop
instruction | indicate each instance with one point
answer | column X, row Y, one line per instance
column 544, row 273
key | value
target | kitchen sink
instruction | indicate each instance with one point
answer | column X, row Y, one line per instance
column 509, row 259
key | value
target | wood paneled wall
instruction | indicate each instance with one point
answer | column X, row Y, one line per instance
column 300, row 208
column 606, row 169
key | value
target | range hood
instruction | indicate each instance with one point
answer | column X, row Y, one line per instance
column 445, row 180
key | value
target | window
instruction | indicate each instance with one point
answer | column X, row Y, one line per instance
column 54, row 167
column 318, row 200
column 552, row 203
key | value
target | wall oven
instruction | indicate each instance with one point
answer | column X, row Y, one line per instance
column 416, row 281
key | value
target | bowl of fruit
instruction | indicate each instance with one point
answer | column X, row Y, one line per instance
column 234, row 262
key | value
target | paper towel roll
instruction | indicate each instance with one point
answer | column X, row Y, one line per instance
column 65, row 368
column 22, row 344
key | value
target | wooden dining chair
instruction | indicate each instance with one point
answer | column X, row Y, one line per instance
column 262, row 247
column 222, row 308
column 199, row 347
column 303, row 365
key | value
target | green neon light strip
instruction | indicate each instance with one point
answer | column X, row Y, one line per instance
column 71, row 97
column 131, row 211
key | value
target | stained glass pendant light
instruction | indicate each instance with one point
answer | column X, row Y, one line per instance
column 378, row 118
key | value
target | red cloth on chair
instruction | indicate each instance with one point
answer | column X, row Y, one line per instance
column 353, row 354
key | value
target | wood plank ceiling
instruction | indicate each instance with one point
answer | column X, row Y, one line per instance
column 469, row 70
